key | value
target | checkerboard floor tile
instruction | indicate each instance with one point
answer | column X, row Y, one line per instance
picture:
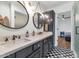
column 58, row 52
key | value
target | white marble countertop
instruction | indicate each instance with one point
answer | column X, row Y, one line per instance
column 14, row 46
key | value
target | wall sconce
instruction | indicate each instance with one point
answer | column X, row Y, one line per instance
column 33, row 8
column 46, row 16
column 29, row 7
column 47, row 21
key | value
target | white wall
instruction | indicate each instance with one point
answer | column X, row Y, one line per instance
column 64, row 25
column 4, row 32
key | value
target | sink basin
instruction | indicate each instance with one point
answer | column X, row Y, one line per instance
column 39, row 33
column 27, row 39
column 13, row 43
column 2, row 43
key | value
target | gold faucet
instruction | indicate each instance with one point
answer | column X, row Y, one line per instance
column 14, row 36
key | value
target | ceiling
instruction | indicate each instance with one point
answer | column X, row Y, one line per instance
column 46, row 5
column 67, row 16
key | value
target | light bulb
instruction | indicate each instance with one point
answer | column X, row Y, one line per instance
column 46, row 16
column 51, row 19
column 41, row 17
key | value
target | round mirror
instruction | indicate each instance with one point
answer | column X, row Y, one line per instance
column 13, row 14
column 38, row 20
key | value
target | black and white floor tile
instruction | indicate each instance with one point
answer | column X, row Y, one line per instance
column 58, row 52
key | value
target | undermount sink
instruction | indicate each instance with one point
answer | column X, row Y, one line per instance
column 13, row 42
column 2, row 43
column 39, row 33
column 27, row 39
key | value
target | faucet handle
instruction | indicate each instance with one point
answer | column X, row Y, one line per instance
column 6, row 39
column 14, row 36
column 19, row 36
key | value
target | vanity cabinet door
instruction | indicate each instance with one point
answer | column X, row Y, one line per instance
column 49, row 43
column 36, row 46
column 45, row 47
column 11, row 56
column 35, row 54
column 41, row 50
column 24, row 52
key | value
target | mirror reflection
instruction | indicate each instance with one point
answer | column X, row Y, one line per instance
column 38, row 20
column 13, row 14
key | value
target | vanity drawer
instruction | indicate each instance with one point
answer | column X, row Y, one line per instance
column 50, row 43
column 35, row 53
column 24, row 52
column 36, row 45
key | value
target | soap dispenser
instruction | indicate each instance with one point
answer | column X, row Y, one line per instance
column 27, row 34
column 33, row 33
column 46, row 27
column 19, row 36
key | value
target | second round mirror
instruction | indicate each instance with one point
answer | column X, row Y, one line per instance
column 38, row 20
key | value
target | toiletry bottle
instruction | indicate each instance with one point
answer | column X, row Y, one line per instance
column 19, row 36
column 33, row 33
column 46, row 27
column 27, row 34
column 14, row 37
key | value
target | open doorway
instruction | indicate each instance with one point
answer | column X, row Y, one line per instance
column 64, row 28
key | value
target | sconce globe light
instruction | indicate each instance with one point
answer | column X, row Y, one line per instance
column 47, row 18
